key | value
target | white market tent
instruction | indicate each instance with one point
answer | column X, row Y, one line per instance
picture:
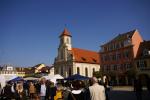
column 6, row 78
column 10, row 77
column 2, row 81
column 57, row 76
column 53, row 78
column 31, row 78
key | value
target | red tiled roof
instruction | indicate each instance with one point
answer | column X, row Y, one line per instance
column 85, row 56
column 65, row 33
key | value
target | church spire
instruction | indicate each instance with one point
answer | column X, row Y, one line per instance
column 65, row 33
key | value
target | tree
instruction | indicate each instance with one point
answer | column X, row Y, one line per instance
column 132, row 72
column 97, row 74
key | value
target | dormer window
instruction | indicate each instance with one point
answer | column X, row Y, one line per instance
column 83, row 58
column 94, row 60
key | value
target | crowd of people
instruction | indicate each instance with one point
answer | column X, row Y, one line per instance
column 47, row 90
column 69, row 90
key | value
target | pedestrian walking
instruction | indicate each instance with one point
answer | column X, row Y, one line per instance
column 138, row 89
column 107, row 89
column 97, row 92
column 78, row 92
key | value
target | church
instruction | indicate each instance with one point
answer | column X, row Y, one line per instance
column 71, row 60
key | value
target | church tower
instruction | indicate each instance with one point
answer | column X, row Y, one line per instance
column 65, row 44
column 71, row 60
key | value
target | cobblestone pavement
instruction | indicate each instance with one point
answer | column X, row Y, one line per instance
column 126, row 93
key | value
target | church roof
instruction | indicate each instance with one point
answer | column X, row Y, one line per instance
column 85, row 56
column 65, row 33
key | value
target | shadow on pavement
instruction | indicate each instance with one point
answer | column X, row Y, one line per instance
column 126, row 95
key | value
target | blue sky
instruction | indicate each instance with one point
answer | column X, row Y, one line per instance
column 30, row 29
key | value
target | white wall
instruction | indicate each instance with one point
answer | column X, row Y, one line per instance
column 82, row 67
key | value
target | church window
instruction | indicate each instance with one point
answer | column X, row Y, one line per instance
column 93, row 70
column 61, row 41
column 68, row 40
column 86, row 72
column 61, row 55
column 78, row 70
column 61, row 70
column 69, row 71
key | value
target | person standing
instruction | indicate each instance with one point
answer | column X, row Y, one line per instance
column 21, row 95
column 31, row 90
column 59, row 92
column 43, row 90
column 7, row 92
column 97, row 92
column 78, row 92
column 52, row 90
column 138, row 89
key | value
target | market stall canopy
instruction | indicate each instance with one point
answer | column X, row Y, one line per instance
column 53, row 78
column 77, row 77
column 17, row 79
column 10, row 77
column 31, row 78
column 2, row 81
column 57, row 76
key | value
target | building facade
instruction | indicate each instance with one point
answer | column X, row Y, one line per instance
column 8, row 71
column 41, row 69
column 71, row 60
column 117, row 56
column 38, row 70
column 142, row 61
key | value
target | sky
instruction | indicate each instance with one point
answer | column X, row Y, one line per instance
column 30, row 29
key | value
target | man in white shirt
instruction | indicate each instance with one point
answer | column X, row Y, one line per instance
column 43, row 89
column 97, row 92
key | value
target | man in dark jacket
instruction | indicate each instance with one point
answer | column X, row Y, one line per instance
column 43, row 90
column 7, row 92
